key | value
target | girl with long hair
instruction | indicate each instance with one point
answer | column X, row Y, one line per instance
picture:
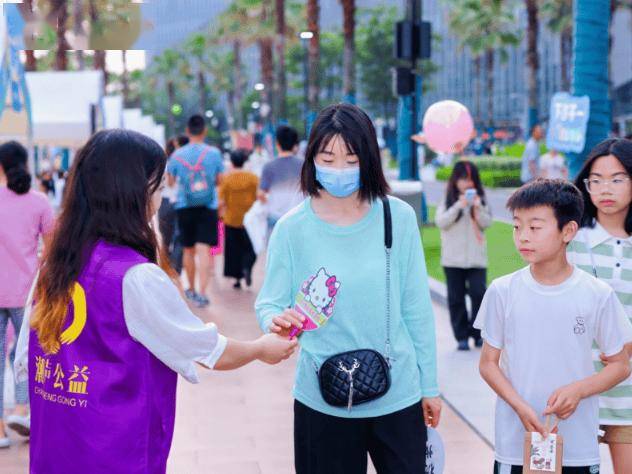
column 351, row 256
column 462, row 217
column 109, row 331
column 603, row 247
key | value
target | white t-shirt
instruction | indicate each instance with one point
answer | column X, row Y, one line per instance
column 552, row 166
column 157, row 317
column 546, row 335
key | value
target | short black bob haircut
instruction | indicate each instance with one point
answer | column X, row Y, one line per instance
column 238, row 157
column 286, row 137
column 196, row 125
column 354, row 126
column 560, row 195
column 621, row 149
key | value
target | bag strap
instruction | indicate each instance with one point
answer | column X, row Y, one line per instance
column 187, row 165
column 388, row 243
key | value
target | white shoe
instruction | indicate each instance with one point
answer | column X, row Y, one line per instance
column 5, row 442
column 20, row 424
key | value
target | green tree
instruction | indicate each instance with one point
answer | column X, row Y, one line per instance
column 533, row 60
column 486, row 28
column 313, row 24
column 348, row 31
column 170, row 69
column 559, row 19
column 375, row 40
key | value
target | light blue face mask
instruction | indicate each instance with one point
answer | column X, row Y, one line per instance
column 339, row 182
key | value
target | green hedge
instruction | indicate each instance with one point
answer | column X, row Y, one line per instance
column 491, row 178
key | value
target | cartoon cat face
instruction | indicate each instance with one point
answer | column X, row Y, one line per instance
column 322, row 289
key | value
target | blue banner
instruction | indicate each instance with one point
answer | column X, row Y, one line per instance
column 568, row 120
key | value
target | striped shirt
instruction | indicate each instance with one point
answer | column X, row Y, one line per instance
column 612, row 261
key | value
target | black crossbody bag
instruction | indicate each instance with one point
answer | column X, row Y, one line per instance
column 359, row 376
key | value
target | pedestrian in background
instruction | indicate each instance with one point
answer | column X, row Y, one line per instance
column 196, row 169
column 280, row 179
column 531, row 156
column 167, row 217
column 463, row 217
column 237, row 194
column 25, row 217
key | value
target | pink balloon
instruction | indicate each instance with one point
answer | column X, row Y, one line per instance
column 446, row 124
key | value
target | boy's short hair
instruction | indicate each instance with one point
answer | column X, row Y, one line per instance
column 560, row 195
column 286, row 137
column 196, row 125
column 239, row 157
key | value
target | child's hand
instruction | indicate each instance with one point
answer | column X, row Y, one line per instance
column 530, row 420
column 272, row 349
column 563, row 402
column 282, row 324
column 463, row 201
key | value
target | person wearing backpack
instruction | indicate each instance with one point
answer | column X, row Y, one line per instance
column 196, row 169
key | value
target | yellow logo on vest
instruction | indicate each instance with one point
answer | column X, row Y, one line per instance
column 73, row 331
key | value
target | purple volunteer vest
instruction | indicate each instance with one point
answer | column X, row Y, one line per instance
column 103, row 403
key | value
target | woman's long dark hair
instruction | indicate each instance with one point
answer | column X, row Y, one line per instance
column 621, row 149
column 463, row 170
column 107, row 197
column 13, row 159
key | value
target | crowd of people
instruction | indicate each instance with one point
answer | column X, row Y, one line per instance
column 106, row 302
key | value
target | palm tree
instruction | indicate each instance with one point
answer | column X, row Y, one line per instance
column 59, row 12
column 487, row 29
column 197, row 47
column 590, row 71
column 265, row 42
column 172, row 70
column 313, row 25
column 348, row 13
column 533, row 60
column 559, row 15
column 78, row 30
column 281, row 77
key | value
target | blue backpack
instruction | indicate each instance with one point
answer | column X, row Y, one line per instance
column 197, row 192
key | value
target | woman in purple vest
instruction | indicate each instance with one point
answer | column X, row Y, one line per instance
column 109, row 330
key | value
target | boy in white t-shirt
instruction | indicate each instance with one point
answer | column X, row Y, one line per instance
column 541, row 321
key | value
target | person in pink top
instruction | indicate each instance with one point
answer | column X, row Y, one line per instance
column 26, row 216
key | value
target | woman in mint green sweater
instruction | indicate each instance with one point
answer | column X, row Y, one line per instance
column 330, row 249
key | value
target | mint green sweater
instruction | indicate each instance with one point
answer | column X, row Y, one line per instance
column 301, row 244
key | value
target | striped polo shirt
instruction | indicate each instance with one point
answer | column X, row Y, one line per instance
column 612, row 257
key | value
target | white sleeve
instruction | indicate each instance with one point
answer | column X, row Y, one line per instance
column 613, row 329
column 21, row 363
column 158, row 318
column 491, row 317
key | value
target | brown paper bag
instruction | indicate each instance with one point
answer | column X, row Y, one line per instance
column 540, row 454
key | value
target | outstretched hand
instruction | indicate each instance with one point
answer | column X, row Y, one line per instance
column 274, row 349
column 284, row 322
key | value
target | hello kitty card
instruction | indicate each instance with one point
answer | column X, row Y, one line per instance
column 316, row 300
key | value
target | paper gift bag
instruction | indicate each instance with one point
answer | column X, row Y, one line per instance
column 542, row 455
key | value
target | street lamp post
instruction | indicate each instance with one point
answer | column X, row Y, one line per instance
column 305, row 37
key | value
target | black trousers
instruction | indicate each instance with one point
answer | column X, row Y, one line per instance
column 239, row 256
column 565, row 469
column 168, row 225
column 325, row 444
column 462, row 281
